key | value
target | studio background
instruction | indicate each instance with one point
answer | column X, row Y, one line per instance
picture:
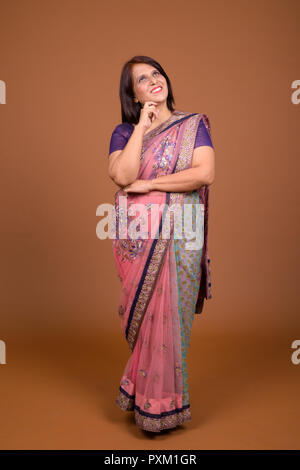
column 61, row 61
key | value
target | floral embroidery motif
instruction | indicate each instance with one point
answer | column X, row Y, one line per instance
column 147, row 405
column 178, row 368
column 129, row 249
column 143, row 372
column 172, row 403
column 163, row 347
column 121, row 310
column 163, row 154
column 125, row 382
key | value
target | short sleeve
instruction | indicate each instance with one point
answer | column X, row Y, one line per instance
column 203, row 136
column 119, row 137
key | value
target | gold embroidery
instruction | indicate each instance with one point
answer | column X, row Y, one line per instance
column 148, row 422
column 165, row 422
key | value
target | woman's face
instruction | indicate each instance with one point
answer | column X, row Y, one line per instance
column 145, row 79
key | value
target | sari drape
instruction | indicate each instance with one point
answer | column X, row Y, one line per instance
column 163, row 284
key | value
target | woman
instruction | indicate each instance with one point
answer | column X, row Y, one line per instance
column 159, row 155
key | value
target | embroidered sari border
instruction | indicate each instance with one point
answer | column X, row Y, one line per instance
column 164, row 126
column 146, row 413
column 176, row 122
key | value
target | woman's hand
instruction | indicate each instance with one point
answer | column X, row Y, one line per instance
column 139, row 186
column 148, row 114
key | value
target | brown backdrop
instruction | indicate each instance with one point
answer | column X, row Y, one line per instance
column 61, row 63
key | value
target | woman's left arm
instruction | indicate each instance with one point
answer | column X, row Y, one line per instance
column 201, row 173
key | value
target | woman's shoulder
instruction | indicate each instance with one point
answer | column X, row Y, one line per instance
column 120, row 136
column 203, row 116
column 204, row 120
column 124, row 128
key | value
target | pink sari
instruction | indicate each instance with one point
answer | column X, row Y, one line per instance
column 162, row 283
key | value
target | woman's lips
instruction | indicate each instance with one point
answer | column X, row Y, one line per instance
column 157, row 90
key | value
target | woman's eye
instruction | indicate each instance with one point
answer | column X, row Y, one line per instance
column 142, row 78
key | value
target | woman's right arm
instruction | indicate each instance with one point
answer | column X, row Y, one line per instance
column 123, row 165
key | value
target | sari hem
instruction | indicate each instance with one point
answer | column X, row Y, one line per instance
column 153, row 422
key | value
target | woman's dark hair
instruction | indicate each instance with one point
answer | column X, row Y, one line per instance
column 129, row 109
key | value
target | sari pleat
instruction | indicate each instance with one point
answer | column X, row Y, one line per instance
column 161, row 285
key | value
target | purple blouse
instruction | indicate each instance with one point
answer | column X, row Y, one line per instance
column 122, row 132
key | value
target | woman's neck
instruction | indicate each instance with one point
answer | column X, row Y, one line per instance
column 161, row 120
